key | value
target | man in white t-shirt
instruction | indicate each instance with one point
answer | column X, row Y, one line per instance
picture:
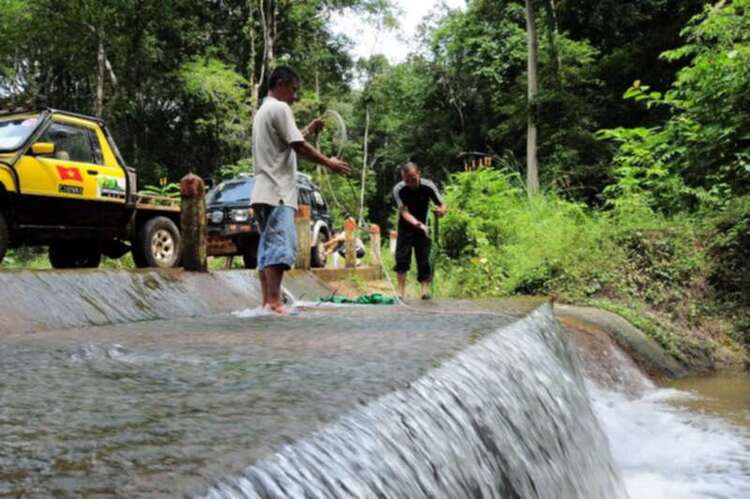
column 276, row 143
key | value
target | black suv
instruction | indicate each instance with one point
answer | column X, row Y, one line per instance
column 233, row 231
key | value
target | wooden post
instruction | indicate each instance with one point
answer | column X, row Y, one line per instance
column 375, row 245
column 193, row 223
column 302, row 221
column 392, row 242
column 350, row 243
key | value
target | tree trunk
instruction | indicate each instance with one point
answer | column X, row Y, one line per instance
column 364, row 167
column 552, row 34
column 532, row 164
column 101, row 67
column 252, row 68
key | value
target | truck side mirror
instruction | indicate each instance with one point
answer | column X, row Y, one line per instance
column 43, row 149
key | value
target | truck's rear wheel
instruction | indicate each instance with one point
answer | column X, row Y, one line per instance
column 159, row 244
column 4, row 237
column 74, row 255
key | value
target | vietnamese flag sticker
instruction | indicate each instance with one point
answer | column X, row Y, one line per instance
column 69, row 173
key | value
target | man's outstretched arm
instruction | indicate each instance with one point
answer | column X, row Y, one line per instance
column 307, row 151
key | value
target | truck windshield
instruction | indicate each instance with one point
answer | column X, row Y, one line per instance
column 231, row 192
column 14, row 131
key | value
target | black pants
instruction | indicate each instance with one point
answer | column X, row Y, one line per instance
column 421, row 244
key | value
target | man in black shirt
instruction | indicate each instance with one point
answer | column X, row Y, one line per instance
column 413, row 195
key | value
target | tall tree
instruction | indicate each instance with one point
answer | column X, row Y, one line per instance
column 532, row 162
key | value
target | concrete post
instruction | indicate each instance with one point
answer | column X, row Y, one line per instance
column 302, row 221
column 193, row 223
column 392, row 242
column 350, row 242
column 375, row 245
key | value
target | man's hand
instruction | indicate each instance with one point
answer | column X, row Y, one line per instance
column 339, row 166
column 313, row 127
column 440, row 210
column 423, row 228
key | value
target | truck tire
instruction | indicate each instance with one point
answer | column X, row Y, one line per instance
column 4, row 236
column 74, row 255
column 317, row 254
column 159, row 244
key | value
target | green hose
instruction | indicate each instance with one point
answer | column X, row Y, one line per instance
column 434, row 251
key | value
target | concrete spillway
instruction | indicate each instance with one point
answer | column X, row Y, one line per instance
column 41, row 300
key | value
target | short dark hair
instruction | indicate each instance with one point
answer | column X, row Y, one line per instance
column 282, row 75
column 408, row 166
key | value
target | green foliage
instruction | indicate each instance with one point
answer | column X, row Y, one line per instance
column 171, row 190
column 507, row 243
column 729, row 236
column 243, row 166
column 698, row 157
column 500, row 242
column 219, row 92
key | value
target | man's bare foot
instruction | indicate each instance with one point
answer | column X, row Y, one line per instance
column 278, row 308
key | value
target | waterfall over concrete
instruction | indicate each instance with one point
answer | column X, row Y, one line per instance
column 37, row 300
column 509, row 417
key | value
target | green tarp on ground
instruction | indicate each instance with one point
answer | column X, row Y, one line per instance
column 370, row 299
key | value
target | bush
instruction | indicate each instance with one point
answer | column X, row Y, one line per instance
column 729, row 251
column 501, row 242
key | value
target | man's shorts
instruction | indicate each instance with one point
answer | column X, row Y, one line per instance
column 421, row 244
column 278, row 236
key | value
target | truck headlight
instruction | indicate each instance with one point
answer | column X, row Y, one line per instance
column 216, row 216
column 240, row 216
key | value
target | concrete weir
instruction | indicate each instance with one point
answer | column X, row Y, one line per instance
column 37, row 300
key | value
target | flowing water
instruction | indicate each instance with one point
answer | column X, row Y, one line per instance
column 346, row 402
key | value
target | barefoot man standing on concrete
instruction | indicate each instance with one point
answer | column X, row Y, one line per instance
column 276, row 143
column 413, row 195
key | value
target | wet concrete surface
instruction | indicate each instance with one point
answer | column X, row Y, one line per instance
column 166, row 408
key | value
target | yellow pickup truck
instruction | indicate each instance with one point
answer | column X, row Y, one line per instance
column 64, row 184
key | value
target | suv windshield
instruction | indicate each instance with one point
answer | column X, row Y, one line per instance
column 14, row 131
column 231, row 192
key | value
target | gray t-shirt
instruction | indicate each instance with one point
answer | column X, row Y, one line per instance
column 274, row 131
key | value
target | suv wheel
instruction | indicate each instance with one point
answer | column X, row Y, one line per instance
column 74, row 255
column 317, row 254
column 4, row 237
column 159, row 244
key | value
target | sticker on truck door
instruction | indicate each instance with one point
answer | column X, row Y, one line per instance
column 110, row 187
column 69, row 173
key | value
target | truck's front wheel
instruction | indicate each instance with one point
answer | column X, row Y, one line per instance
column 4, row 237
column 74, row 255
column 159, row 244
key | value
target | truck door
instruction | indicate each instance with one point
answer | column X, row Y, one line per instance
column 74, row 187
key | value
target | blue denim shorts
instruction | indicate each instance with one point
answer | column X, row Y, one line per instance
column 278, row 236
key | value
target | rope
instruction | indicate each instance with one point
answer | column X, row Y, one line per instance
column 340, row 138
column 339, row 141
column 434, row 251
